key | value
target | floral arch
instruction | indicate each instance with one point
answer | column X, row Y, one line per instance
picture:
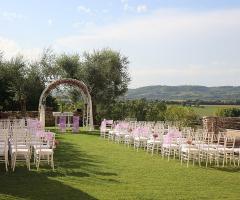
column 87, row 111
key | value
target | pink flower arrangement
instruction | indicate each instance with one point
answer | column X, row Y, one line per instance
column 56, row 142
column 130, row 130
column 189, row 142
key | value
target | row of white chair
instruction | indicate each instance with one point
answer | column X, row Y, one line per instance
column 20, row 144
column 189, row 146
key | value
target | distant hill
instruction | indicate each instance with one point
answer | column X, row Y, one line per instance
column 185, row 92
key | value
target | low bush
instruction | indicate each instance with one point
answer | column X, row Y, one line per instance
column 228, row 112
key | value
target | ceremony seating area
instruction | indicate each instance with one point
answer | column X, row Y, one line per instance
column 170, row 141
column 24, row 140
column 89, row 167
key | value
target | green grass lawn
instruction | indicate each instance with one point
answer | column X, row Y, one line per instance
column 88, row 167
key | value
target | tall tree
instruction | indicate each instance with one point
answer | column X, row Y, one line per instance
column 106, row 74
column 70, row 65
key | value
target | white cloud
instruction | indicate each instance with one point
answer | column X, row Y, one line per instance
column 50, row 22
column 10, row 48
column 168, row 42
column 141, row 8
column 11, row 16
column 84, row 9
column 105, row 11
column 127, row 7
column 83, row 25
column 160, row 26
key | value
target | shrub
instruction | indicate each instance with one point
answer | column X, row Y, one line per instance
column 185, row 115
column 228, row 112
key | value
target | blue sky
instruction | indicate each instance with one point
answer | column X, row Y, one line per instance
column 168, row 42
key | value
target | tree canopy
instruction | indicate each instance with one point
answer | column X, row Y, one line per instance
column 105, row 72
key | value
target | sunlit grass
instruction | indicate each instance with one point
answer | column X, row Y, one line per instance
column 88, row 167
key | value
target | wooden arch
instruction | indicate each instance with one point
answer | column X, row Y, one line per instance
column 87, row 116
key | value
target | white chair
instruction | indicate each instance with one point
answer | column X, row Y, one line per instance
column 129, row 139
column 4, row 147
column 226, row 153
column 20, row 148
column 155, row 143
column 189, row 152
column 208, row 148
column 171, row 148
column 45, row 151
column 140, row 140
column 237, row 155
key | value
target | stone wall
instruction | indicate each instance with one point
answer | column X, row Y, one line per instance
column 50, row 121
column 215, row 124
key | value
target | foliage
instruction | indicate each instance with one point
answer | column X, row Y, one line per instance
column 141, row 109
column 69, row 65
column 156, row 111
column 21, row 85
column 228, row 112
column 211, row 110
column 184, row 115
column 105, row 72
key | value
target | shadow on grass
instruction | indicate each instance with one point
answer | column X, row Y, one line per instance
column 70, row 162
column 229, row 169
column 35, row 185
column 95, row 133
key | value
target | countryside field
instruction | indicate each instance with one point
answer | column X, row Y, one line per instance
column 210, row 110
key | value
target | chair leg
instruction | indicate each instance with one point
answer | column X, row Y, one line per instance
column 14, row 161
column 153, row 146
column 206, row 160
column 6, row 164
column 52, row 162
column 38, row 161
column 163, row 151
column 223, row 160
column 169, row 152
column 28, row 164
column 181, row 159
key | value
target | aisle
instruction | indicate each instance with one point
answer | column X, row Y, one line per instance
column 112, row 171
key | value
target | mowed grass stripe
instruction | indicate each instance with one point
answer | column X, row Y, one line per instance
column 89, row 167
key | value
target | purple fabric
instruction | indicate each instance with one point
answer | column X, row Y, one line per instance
column 46, row 135
column 136, row 132
column 75, row 127
column 117, row 127
column 109, row 122
column 62, row 123
column 145, row 132
column 103, row 126
column 172, row 134
column 34, row 125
